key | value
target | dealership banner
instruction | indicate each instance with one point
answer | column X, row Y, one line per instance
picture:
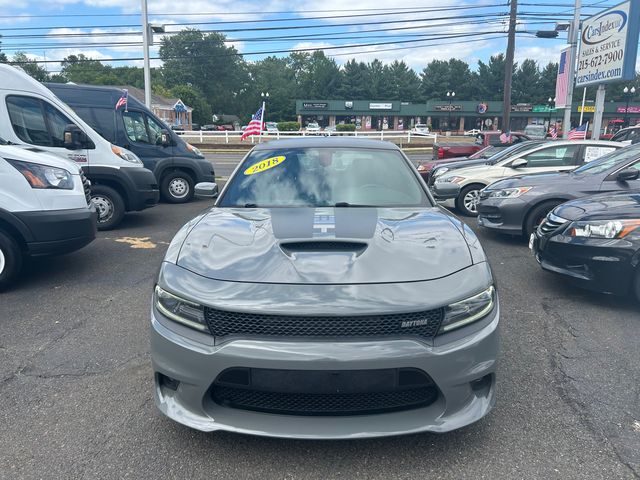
column 609, row 45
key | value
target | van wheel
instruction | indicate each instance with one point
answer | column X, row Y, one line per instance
column 177, row 187
column 10, row 260
column 467, row 201
column 537, row 215
column 109, row 205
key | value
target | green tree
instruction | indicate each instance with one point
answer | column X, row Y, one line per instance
column 204, row 61
column 3, row 57
column 353, row 81
column 435, row 79
column 404, row 83
column 526, row 86
column 461, row 80
column 82, row 69
column 377, row 80
column 30, row 66
column 547, row 82
column 491, row 78
column 274, row 76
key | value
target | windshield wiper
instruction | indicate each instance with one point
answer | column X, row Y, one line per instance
column 347, row 204
column 251, row 205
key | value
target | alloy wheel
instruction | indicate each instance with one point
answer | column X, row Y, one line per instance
column 471, row 200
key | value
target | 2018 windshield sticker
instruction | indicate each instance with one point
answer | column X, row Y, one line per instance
column 265, row 164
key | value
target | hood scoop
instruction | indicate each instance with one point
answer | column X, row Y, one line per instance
column 328, row 246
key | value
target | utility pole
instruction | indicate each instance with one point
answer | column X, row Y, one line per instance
column 573, row 41
column 145, row 47
column 508, row 66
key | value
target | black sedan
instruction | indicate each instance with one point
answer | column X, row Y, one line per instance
column 594, row 241
column 517, row 205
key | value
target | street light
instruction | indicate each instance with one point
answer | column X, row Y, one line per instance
column 550, row 102
column 450, row 96
column 147, row 39
column 628, row 94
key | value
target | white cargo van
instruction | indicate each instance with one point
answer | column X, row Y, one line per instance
column 31, row 114
column 45, row 207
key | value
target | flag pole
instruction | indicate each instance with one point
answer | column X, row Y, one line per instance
column 261, row 121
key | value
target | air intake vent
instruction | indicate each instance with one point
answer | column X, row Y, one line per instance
column 327, row 246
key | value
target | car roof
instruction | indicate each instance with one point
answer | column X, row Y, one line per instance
column 326, row 142
column 91, row 95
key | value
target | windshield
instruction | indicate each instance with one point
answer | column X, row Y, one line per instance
column 3, row 141
column 608, row 161
column 324, row 177
column 504, row 153
column 534, row 129
column 313, row 125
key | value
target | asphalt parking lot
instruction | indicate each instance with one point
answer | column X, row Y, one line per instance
column 76, row 380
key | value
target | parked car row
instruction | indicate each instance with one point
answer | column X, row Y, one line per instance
column 69, row 140
column 578, row 203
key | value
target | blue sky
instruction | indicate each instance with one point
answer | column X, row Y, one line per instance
column 418, row 39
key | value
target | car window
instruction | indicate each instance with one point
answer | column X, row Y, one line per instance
column 592, row 152
column 557, row 156
column 610, row 160
column 135, row 128
column 322, row 177
column 58, row 122
column 27, row 120
column 494, row 140
column 155, row 130
column 633, row 135
column 620, row 136
column 100, row 119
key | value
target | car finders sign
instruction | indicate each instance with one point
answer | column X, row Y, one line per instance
column 609, row 45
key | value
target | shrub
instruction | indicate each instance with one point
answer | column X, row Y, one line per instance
column 347, row 127
column 288, row 126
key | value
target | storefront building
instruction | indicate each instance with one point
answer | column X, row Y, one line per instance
column 445, row 115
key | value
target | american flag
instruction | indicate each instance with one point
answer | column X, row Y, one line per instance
column 562, row 80
column 579, row 133
column 255, row 125
column 122, row 101
column 553, row 131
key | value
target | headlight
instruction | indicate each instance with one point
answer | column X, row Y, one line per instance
column 193, row 149
column 508, row 192
column 440, row 171
column 180, row 310
column 43, row 176
column 126, row 155
column 468, row 311
column 452, row 179
column 603, row 228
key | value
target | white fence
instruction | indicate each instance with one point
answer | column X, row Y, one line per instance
column 228, row 136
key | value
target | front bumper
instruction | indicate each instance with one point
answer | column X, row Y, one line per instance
column 142, row 186
column 505, row 215
column 462, row 368
column 55, row 232
column 602, row 265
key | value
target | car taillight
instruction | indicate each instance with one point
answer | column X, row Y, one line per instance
column 440, row 152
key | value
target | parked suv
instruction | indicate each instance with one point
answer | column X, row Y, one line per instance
column 30, row 114
column 176, row 164
column 45, row 208
column 629, row 135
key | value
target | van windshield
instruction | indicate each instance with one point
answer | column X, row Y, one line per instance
column 3, row 141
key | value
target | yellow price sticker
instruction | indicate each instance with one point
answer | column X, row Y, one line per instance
column 265, row 164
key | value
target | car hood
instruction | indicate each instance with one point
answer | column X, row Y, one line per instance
column 543, row 178
column 326, row 245
column 28, row 153
column 608, row 205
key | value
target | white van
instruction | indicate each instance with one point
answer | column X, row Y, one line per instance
column 45, row 207
column 31, row 114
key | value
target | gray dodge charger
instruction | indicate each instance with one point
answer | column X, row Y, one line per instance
column 324, row 295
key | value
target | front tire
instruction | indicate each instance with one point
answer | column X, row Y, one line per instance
column 467, row 201
column 177, row 187
column 109, row 204
column 10, row 260
column 537, row 215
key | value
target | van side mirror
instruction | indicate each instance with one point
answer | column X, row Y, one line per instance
column 206, row 190
column 519, row 163
column 165, row 138
column 628, row 174
column 446, row 190
column 75, row 138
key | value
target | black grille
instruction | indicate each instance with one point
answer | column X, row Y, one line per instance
column 550, row 224
column 86, row 185
column 222, row 323
column 299, row 392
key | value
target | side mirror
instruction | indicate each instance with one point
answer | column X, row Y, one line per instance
column 165, row 138
column 628, row 174
column 206, row 190
column 74, row 138
column 446, row 190
column 519, row 163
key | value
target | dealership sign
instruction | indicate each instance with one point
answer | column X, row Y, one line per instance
column 447, row 108
column 631, row 109
column 587, row 109
column 609, row 45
